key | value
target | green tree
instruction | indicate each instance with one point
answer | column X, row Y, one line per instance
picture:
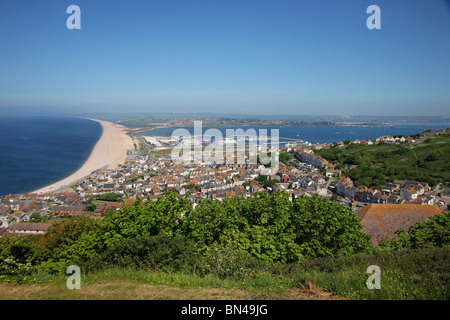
column 432, row 233
column 284, row 157
column 36, row 217
column 324, row 228
column 90, row 208
column 112, row 197
column 66, row 241
column 162, row 216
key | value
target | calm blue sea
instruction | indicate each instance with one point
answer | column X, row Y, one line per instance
column 37, row 151
column 322, row 134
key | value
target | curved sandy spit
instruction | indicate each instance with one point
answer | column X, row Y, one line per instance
column 110, row 151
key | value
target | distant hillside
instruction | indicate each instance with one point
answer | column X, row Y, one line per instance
column 427, row 160
column 161, row 116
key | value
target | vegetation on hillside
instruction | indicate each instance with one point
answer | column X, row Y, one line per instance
column 378, row 164
column 266, row 240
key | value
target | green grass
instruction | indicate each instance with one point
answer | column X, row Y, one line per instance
column 421, row 274
column 409, row 274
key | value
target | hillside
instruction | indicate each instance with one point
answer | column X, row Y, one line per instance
column 426, row 160
column 411, row 274
column 265, row 246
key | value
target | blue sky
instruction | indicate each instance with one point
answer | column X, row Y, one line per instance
column 226, row 56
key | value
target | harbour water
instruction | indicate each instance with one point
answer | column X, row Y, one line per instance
column 320, row 134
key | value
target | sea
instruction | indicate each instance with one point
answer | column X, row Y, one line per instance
column 36, row 151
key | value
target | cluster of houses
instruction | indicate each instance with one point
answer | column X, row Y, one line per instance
column 144, row 177
column 308, row 156
column 383, row 139
column 397, row 192
column 147, row 178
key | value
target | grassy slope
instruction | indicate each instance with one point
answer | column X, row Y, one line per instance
column 410, row 274
column 121, row 284
column 388, row 155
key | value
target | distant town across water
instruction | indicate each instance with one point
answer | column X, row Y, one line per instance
column 319, row 134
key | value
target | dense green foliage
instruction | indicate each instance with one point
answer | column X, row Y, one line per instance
column 110, row 196
column 285, row 157
column 238, row 238
column 265, row 181
column 267, row 227
column 377, row 164
column 17, row 256
column 147, row 252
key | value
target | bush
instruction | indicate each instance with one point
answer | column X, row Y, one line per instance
column 13, row 271
column 17, row 256
column 67, row 241
column 224, row 262
column 434, row 232
column 162, row 252
column 22, row 250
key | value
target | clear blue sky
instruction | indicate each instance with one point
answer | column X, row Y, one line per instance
column 246, row 56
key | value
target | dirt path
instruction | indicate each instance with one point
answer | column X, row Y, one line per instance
column 129, row 290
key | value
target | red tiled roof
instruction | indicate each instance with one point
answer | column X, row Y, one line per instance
column 382, row 220
column 129, row 201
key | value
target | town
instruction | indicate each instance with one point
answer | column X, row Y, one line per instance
column 149, row 173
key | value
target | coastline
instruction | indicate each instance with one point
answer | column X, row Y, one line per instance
column 110, row 150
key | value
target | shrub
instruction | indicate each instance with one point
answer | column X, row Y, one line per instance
column 17, row 256
column 162, row 252
column 224, row 261
column 67, row 241
column 432, row 233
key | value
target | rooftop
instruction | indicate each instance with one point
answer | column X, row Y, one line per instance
column 382, row 220
column 30, row 226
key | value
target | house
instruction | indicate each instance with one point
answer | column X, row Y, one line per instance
column 108, row 187
column 129, row 201
column 294, row 194
column 382, row 220
column 25, row 229
column 332, row 173
column 445, row 192
column 393, row 198
column 345, row 188
column 391, row 187
column 379, row 197
column 101, row 208
column 428, row 199
column 4, row 210
column 280, row 186
column 67, row 209
column 409, row 194
column 312, row 159
column 16, row 217
column 366, row 195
